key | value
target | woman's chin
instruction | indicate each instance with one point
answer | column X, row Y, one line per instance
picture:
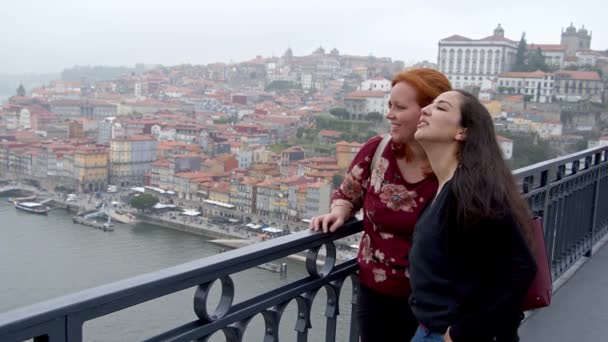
column 419, row 135
column 398, row 138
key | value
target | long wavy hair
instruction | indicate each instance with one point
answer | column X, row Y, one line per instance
column 483, row 184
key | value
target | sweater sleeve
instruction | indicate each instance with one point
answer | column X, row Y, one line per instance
column 504, row 268
column 352, row 191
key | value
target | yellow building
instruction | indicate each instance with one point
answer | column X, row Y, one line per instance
column 130, row 159
column 494, row 107
column 261, row 155
column 346, row 152
column 301, row 201
column 282, row 201
column 220, row 192
column 91, row 168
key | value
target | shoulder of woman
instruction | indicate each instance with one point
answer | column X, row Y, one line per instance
column 370, row 146
column 373, row 142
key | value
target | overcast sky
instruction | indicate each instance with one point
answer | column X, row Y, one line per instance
column 49, row 35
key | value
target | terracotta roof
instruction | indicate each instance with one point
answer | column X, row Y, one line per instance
column 548, row 47
column 249, row 181
column 514, row 98
column 317, row 185
column 195, row 175
column 66, row 102
column 493, row 38
column 580, row 75
column 455, row 38
column 500, row 138
column 496, row 39
column 591, row 52
column 522, row 74
column 223, row 158
column 162, row 145
column 221, row 187
column 365, row 94
column 269, row 183
column 322, row 174
column 329, row 133
column 350, row 144
column 161, row 163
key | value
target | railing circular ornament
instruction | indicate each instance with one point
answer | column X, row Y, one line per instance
column 330, row 260
column 202, row 293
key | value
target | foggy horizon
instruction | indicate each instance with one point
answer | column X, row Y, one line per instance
column 40, row 38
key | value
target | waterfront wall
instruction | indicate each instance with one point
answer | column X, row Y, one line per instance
column 184, row 227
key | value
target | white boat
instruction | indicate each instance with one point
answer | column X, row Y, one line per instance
column 33, row 207
column 108, row 224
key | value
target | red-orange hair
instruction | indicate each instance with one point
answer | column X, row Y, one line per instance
column 428, row 83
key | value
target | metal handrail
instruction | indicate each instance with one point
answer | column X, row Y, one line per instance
column 570, row 193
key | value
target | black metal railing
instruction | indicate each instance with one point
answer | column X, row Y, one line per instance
column 570, row 193
column 62, row 319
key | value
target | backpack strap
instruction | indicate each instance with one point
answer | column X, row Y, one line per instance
column 380, row 150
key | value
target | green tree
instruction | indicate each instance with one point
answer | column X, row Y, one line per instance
column 278, row 148
column 536, row 61
column 223, row 121
column 581, row 145
column 374, row 117
column 522, row 52
column 281, row 86
column 528, row 149
column 339, row 112
column 300, row 133
column 21, row 90
column 336, row 180
column 143, row 201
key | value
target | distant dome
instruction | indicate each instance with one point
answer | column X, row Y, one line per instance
column 571, row 29
column 499, row 31
column 582, row 30
column 319, row 51
column 288, row 53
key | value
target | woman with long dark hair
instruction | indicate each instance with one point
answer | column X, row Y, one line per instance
column 392, row 194
column 470, row 262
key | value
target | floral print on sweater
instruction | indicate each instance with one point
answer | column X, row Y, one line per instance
column 391, row 208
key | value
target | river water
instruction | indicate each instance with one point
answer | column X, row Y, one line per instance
column 43, row 257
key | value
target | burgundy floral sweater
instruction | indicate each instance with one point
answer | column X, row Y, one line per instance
column 391, row 207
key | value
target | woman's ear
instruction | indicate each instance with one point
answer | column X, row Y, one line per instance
column 461, row 135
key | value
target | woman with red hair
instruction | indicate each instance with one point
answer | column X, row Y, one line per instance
column 392, row 193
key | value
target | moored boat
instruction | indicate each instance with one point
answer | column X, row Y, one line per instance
column 33, row 207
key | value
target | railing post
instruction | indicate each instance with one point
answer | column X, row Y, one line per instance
column 596, row 191
column 354, row 323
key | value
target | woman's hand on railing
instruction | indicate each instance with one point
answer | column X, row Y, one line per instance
column 330, row 222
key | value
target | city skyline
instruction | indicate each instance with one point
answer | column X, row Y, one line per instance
column 45, row 38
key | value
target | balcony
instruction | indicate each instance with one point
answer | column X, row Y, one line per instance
column 570, row 193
